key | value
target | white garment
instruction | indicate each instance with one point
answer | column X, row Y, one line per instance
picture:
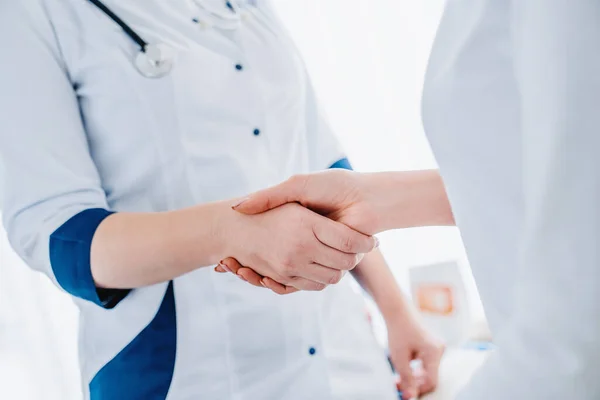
column 81, row 129
column 511, row 106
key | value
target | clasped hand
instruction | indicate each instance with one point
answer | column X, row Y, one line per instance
column 309, row 244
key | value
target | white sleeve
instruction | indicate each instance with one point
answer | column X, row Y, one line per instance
column 551, row 349
column 48, row 175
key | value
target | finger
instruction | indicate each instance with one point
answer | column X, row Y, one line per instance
column 340, row 237
column 244, row 273
column 278, row 287
column 335, row 259
column 219, row 268
column 250, row 276
column 307, row 285
column 289, row 191
column 317, row 273
column 230, row 264
column 408, row 384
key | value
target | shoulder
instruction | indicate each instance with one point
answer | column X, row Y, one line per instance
column 21, row 11
column 24, row 23
column 33, row 15
column 23, row 19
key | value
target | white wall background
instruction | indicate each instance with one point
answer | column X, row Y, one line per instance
column 367, row 59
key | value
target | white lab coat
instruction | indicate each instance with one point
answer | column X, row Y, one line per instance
column 511, row 107
column 81, row 128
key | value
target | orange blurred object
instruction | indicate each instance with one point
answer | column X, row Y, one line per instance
column 435, row 299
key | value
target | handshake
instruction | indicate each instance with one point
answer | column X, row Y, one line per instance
column 316, row 228
column 307, row 232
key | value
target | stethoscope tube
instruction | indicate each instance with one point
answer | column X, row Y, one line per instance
column 130, row 32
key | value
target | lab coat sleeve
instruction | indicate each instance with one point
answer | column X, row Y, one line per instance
column 550, row 348
column 51, row 187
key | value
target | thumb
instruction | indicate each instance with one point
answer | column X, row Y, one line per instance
column 408, row 384
column 289, row 191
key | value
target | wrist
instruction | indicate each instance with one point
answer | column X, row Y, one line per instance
column 403, row 318
column 395, row 308
column 227, row 227
column 208, row 231
column 410, row 199
column 437, row 210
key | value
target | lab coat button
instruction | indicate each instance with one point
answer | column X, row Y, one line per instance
column 312, row 351
column 256, row 132
column 239, row 67
column 201, row 23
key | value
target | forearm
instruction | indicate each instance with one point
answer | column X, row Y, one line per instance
column 131, row 250
column 410, row 199
column 377, row 279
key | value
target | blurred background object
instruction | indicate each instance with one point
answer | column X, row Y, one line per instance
column 447, row 299
column 439, row 294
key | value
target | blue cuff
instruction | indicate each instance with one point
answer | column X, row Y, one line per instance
column 70, row 247
column 344, row 163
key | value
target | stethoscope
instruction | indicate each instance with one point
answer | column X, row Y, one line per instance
column 152, row 61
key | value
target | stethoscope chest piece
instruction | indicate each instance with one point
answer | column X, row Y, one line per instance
column 154, row 62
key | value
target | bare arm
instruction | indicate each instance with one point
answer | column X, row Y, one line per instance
column 130, row 250
column 375, row 277
column 407, row 339
column 370, row 203
column 406, row 199
column 308, row 251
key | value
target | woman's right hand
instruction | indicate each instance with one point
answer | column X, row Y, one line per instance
column 295, row 246
column 369, row 203
column 352, row 198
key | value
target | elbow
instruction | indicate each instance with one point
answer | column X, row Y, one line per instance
column 27, row 243
column 70, row 249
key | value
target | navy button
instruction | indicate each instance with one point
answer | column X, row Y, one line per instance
column 230, row 6
column 239, row 67
column 312, row 351
column 195, row 20
column 256, row 132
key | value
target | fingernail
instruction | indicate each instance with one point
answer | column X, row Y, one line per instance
column 225, row 267
column 242, row 278
column 263, row 284
column 377, row 243
column 240, row 203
